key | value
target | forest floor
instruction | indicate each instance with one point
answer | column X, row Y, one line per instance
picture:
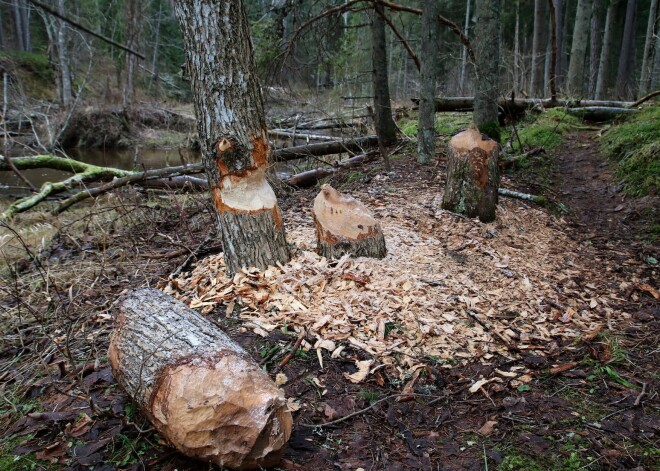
column 527, row 344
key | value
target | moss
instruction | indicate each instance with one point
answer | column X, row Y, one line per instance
column 445, row 123
column 634, row 146
column 492, row 130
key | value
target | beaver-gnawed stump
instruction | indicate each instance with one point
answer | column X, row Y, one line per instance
column 473, row 176
column 344, row 225
column 199, row 388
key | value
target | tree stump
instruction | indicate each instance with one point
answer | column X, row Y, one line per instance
column 200, row 389
column 473, row 176
column 344, row 225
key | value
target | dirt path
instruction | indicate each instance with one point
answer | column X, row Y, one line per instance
column 597, row 203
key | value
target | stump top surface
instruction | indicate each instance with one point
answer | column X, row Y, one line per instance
column 343, row 215
column 471, row 139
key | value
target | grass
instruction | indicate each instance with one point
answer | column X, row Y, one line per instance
column 546, row 129
column 445, row 124
column 634, row 146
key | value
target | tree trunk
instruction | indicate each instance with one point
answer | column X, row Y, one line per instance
column 487, row 52
column 66, row 93
column 516, row 53
column 595, row 44
column 539, row 44
column 624, row 80
column 18, row 25
column 344, row 225
column 133, row 26
column 232, row 131
column 385, row 126
column 647, row 58
column 429, row 77
column 561, row 9
column 607, row 52
column 200, row 389
column 655, row 74
column 466, row 30
column 472, row 176
column 576, row 77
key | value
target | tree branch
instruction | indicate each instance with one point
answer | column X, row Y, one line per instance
column 405, row 44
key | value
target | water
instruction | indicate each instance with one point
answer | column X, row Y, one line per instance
column 126, row 159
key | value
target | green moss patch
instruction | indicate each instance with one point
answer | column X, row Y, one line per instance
column 546, row 129
column 634, row 146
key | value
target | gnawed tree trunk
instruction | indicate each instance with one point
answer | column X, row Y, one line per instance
column 232, row 131
column 200, row 389
column 472, row 176
column 575, row 82
column 344, row 225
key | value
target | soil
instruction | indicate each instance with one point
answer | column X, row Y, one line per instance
column 591, row 404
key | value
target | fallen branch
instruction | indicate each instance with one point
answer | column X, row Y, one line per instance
column 519, row 105
column 646, row 98
column 513, row 160
column 311, row 177
column 281, row 133
column 600, row 113
column 325, row 148
column 540, row 200
column 293, row 351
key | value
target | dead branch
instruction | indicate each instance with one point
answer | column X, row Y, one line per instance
column 541, row 200
column 405, row 44
column 293, row 351
column 645, row 98
column 311, row 177
column 325, row 148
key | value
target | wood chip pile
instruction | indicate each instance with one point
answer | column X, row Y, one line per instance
column 450, row 288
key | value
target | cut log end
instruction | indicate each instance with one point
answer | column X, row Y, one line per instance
column 344, row 225
column 200, row 390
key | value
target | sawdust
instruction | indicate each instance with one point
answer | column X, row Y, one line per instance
column 450, row 288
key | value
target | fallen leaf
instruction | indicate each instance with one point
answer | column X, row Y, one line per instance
column 281, row 379
column 487, row 428
column 362, row 372
column 292, row 405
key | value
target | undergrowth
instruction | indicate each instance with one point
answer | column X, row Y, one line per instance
column 541, row 130
column 446, row 124
column 634, row 145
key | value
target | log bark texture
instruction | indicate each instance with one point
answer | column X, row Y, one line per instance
column 200, row 389
column 325, row 148
column 344, row 225
column 232, row 131
column 472, row 176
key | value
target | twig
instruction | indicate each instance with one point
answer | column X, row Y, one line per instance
column 362, row 411
column 193, row 254
column 293, row 351
column 639, row 397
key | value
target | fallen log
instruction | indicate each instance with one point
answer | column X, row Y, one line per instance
column 311, row 177
column 198, row 388
column 540, row 200
column 344, row 225
column 599, row 114
column 472, row 175
column 325, row 148
column 518, row 105
column 284, row 134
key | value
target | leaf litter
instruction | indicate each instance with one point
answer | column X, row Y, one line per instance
column 451, row 289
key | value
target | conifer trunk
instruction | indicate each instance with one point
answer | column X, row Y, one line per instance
column 575, row 82
column 539, row 43
column 429, row 75
column 487, row 53
column 232, row 131
column 647, row 58
column 624, row 79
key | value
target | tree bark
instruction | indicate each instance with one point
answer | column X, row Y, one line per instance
column 472, row 176
column 539, row 43
column 344, row 225
column 562, row 8
column 232, row 131
column 487, row 52
column 200, row 389
column 607, row 52
column 325, row 148
column 385, row 126
column 575, row 83
column 66, row 93
column 466, row 29
column 133, row 19
column 595, row 43
column 655, row 74
column 429, row 77
column 625, row 82
column 647, row 58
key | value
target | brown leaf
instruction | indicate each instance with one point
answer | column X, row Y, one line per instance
column 487, row 428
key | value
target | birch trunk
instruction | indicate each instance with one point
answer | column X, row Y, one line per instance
column 201, row 390
column 232, row 131
column 385, row 127
column 576, row 77
column 539, row 43
column 487, row 53
column 624, row 81
column 429, row 76
column 647, row 58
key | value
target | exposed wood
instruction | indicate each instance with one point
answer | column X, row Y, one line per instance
column 345, row 226
column 311, row 177
column 325, row 148
column 198, row 388
column 472, row 176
